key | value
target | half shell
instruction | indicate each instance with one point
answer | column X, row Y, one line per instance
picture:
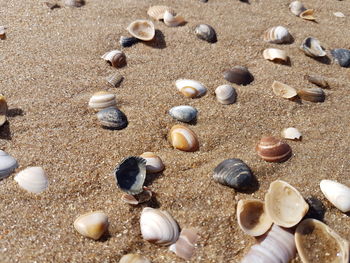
column 112, row 118
column 102, row 100
column 183, row 113
column 272, row 149
column 7, row 164
column 283, row 90
column 116, row 58
column 140, row 198
column 278, row 35
column 275, row 55
column 32, row 179
column 312, row 94
column 183, row 138
column 153, row 162
column 190, row 88
column 238, row 75
column 336, row 193
column 3, row 110
column 205, row 32
column 142, row 29
column 92, row 225
column 133, row 258
column 185, row 245
column 171, row 20
column 291, row 133
column 312, row 47
column 308, row 15
column 225, row 94
column 157, row 11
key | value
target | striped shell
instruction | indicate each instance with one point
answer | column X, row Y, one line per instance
column 190, row 88
column 102, row 100
column 115, row 58
column 157, row 11
column 283, row 90
column 312, row 47
column 278, row 35
column 153, row 162
column 3, row 110
column 133, row 258
column 92, row 225
column 112, row 118
column 275, row 55
column 32, row 179
column 7, row 164
column 225, row 94
column 183, row 138
column 273, row 150
column 142, row 29
column 115, row 79
column 312, row 94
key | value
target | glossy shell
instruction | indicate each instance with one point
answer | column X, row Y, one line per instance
column 183, row 113
column 7, row 164
column 185, row 245
column 32, row 179
column 278, row 35
column 291, row 133
column 74, row 3
column 133, row 258
column 128, row 41
column 336, row 193
column 312, row 47
column 238, row 75
column 142, row 29
column 115, row 58
column 205, row 32
column 3, row 110
column 112, row 118
column 153, row 162
column 296, row 7
column 171, row 20
column 183, row 138
column 157, row 11
column 341, row 56
column 92, row 225
column 275, row 55
column 115, row 79
column 190, row 88
column 283, row 90
column 102, row 100
column 272, row 149
column 312, row 94
column 225, row 94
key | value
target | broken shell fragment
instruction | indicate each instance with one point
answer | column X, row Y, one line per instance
column 102, row 100
column 205, row 32
column 115, row 58
column 32, row 179
column 272, row 149
column 338, row 14
column 7, row 164
column 225, row 94
column 112, row 118
column 133, row 258
column 136, row 199
column 336, row 193
column 185, row 245
column 157, row 12
column 312, row 94
column 183, row 113
column 142, row 29
column 252, row 217
column 283, row 90
column 190, row 88
column 128, row 41
column 315, row 240
column 3, row 110
column 172, row 20
column 239, row 75
column 291, row 133
column 153, row 162
column 183, row 138
column 2, row 32
column 74, row 3
column 296, row 7
column 275, row 55
column 312, row 47
column 115, row 79
column 92, row 225
column 341, row 56
column 318, row 80
column 278, row 35
column 308, row 15
column 284, row 204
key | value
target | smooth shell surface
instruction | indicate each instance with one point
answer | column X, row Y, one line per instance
column 316, row 242
column 142, row 29
column 102, row 100
column 3, row 110
column 225, row 94
column 183, row 113
column 32, row 179
column 284, row 204
column 296, row 7
column 278, row 35
column 283, row 90
column 112, row 118
column 153, row 162
column 115, row 58
column 336, row 193
column 291, row 133
column 171, row 20
column 272, row 149
column 7, row 164
column 312, row 47
column 275, row 55
column 128, row 41
column 183, row 138
column 157, row 11
column 239, row 75
column 312, row 94
column 133, row 258
column 190, row 88
column 92, row 225
column 318, row 80
column 205, row 32
column 185, row 245
column 341, row 56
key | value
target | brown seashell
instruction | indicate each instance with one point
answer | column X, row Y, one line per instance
column 312, row 94
column 2, row 32
column 272, row 149
column 115, row 58
column 183, row 138
column 239, row 75
column 142, row 29
column 3, row 109
column 157, row 11
column 318, row 80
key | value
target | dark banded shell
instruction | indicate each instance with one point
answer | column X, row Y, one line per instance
column 272, row 149
column 318, row 80
column 239, row 75
column 341, row 56
column 112, row 118
column 312, row 94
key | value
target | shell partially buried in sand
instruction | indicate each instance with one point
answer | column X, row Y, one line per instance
column 92, row 225
column 32, row 179
column 183, row 138
column 134, row 258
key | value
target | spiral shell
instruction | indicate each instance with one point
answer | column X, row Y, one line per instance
column 225, row 94
column 183, row 113
column 153, row 162
column 157, row 11
column 275, row 55
column 7, row 164
column 115, row 58
column 92, row 225
column 312, row 94
column 112, row 118
column 171, row 20
column 312, row 47
column 273, row 150
column 133, row 258
column 283, row 90
column 142, row 29
column 3, row 110
column 336, row 193
column 183, row 138
column 341, row 56
column 102, row 100
column 238, row 75
column 190, row 88
column 205, row 32
column 32, row 179
column 278, row 35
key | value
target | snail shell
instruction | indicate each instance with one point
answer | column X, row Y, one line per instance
column 3, row 110
column 190, row 88
column 183, row 113
column 102, row 100
column 273, row 150
column 312, row 47
column 115, row 58
column 92, row 225
column 157, row 11
column 74, row 3
column 318, row 80
column 205, row 32
column 275, row 55
column 128, row 41
column 171, row 20
column 312, row 94
column 185, row 245
column 278, row 35
column 133, row 258
column 239, row 75
column 291, row 133
column 341, row 56
column 226, row 94
column 142, row 29
column 7, row 164
column 32, row 179
column 153, row 162
column 283, row 90
column 336, row 193
column 183, row 138
column 112, row 118
column 296, row 7
column 115, row 79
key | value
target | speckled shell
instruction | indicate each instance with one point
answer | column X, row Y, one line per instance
column 171, row 20
column 102, row 100
column 153, row 162
column 296, row 7
column 225, row 94
column 3, row 110
column 116, row 58
column 275, row 55
column 284, row 204
column 205, row 32
column 74, row 3
column 133, row 258
column 128, row 41
column 190, row 88
column 312, row 94
column 291, row 133
column 273, row 150
column 312, row 47
column 318, row 80
column 7, row 164
column 112, row 118
column 239, row 75
column 157, row 11
column 283, row 90
column 32, row 179
column 278, row 35
column 114, row 80
column 185, row 245
column 341, row 56
column 336, row 193
column 316, row 241
column 142, row 29
column 183, row 113
column 183, row 138
column 92, row 225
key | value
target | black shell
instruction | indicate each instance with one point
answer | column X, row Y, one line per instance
column 341, row 56
column 112, row 118
column 239, row 75
column 128, row 41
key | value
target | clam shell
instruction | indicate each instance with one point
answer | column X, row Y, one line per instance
column 272, row 149
column 7, row 164
column 312, row 94
column 102, row 100
column 278, row 35
column 171, row 20
column 74, row 3
column 112, row 118
column 205, row 32
column 336, row 193
column 308, row 15
column 183, row 113
column 296, row 7
column 32, row 179
column 234, row 173
column 128, row 41
column 3, row 110
column 275, row 55
column 2, row 32
column 283, row 90
column 114, row 80
column 157, row 11
column 318, row 80
column 158, row 227
column 312, row 47
column 252, row 217
column 316, row 242
column 341, row 56
column 190, row 88
column 142, row 29
column 153, row 162
column 284, row 204
column 225, row 94
column 142, row 197
column 291, row 133
column 133, row 258
column 92, row 225
column 115, row 58
column 185, row 245
column 239, row 75
column 183, row 138
column 130, row 174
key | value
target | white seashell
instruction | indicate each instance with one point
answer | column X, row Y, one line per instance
column 116, row 58
column 185, row 245
column 102, row 100
column 278, row 35
column 338, row 14
column 183, row 113
column 2, row 32
column 158, row 226
column 190, row 88
column 226, row 94
column 7, row 164
column 312, row 47
column 32, row 179
column 336, row 193
column 172, row 20
column 133, row 258
column 92, row 225
column 153, row 162
column 275, row 55
column 3, row 109
column 283, row 90
column 291, row 133
column 183, row 138
column 157, row 12
column 296, row 7
column 142, row 29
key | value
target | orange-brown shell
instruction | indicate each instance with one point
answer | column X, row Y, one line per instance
column 272, row 149
column 183, row 138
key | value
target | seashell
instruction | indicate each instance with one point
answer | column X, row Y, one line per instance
column 153, row 162
column 276, row 246
column 142, row 29
column 252, row 217
column 102, row 100
column 3, row 110
column 312, row 94
column 158, row 227
column 239, row 75
column 172, row 20
column 291, row 133
column 128, row 41
column 115, row 79
column 183, row 138
column 205, row 32
column 183, row 113
column 338, row 14
column 278, row 35
column 283, row 90
column 312, row 47
column 7, row 164
column 318, row 80
column 190, row 88
column 112, row 118
column 316, row 208
column 142, row 197
column 336, row 193
column 275, row 55
column 52, row 5
column 157, row 11
column 296, row 7
column 130, row 174
column 92, row 225
column 341, row 56
column 226, row 94
column 272, row 149
column 234, row 173
column 316, row 242
column 32, row 179
column 74, row 3
column 284, row 204
column 115, row 58
column 133, row 258
column 308, row 15
column 185, row 245
column 2, row 32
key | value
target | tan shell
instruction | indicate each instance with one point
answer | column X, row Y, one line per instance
column 115, row 58
column 275, row 55
column 142, row 29
column 115, row 79
column 102, row 100
column 136, row 199
column 318, row 80
column 272, row 149
column 278, row 35
column 284, row 204
column 157, row 11
column 172, row 20
column 252, row 217
column 283, row 90
column 153, row 162
column 3, row 109
column 92, row 225
column 134, row 258
column 225, row 94
column 308, row 15
column 316, row 242
column 312, row 94
column 183, row 138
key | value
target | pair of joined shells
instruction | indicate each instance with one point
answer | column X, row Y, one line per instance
column 341, row 56
column 92, row 225
column 298, row 9
column 238, row 75
column 205, row 32
column 115, row 58
column 272, row 149
column 112, row 118
column 142, row 29
column 183, row 138
column 185, row 245
column 336, row 193
column 312, row 47
column 32, row 179
column 278, row 35
column 7, row 164
column 102, row 100
column 183, row 113
column 275, row 55
column 190, row 88
column 225, row 94
column 134, row 258
column 3, row 110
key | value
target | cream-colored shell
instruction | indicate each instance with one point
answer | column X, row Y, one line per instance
column 171, row 20
column 32, row 179
column 296, row 7
column 190, row 88
column 142, row 29
column 153, row 162
column 157, row 11
column 338, row 14
column 275, row 54
column 291, row 133
column 283, row 90
column 336, row 193
column 102, row 100
column 312, row 47
column 277, row 35
column 308, row 14
column 92, row 225
column 3, row 110
column 183, row 138
column 133, row 258
column 225, row 94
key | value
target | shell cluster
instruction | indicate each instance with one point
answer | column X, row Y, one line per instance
column 183, row 138
column 32, row 179
column 272, row 149
column 7, row 164
column 92, row 225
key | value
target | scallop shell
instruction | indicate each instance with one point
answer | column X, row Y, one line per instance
column 74, row 3
column 291, row 133
column 102, row 100
column 116, row 58
column 128, row 41
column 308, row 15
column 7, row 164
column 142, row 29
column 133, row 258
column 225, row 94
column 153, row 162
column 234, row 173
column 3, row 110
column 205, row 32
column 239, row 75
column 272, row 149
column 92, row 225
column 185, row 245
column 183, row 113
column 130, row 174
column 336, row 193
column 278, row 35
column 283, row 90
column 171, row 20
column 318, row 80
column 158, row 227
column 157, row 11
column 341, row 56
column 2, row 32
column 275, row 55
column 284, row 204
column 190, row 88
column 183, row 138
column 32, row 179
column 112, row 118
column 296, row 7
column 252, row 217
column 114, row 80
column 312, row 47
column 316, row 242
column 312, row 94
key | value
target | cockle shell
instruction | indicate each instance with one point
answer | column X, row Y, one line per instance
column 32, row 179
column 296, row 7
column 157, row 11
column 252, row 217
column 74, row 3
column 312, row 47
column 336, row 193
column 7, row 164
column 183, row 113
column 183, row 138
column 275, row 55
column 133, row 258
column 2, row 32
column 128, row 41
column 116, row 58
column 158, row 226
column 341, row 56
column 278, row 35
column 225, row 94
column 153, row 162
column 291, row 133
column 272, row 149
column 205, row 32
column 283, row 90
column 3, row 110
column 190, row 88
column 115, row 79
column 284, row 204
column 185, row 245
column 112, row 118
column 142, row 29
column 171, row 20
column 316, row 242
column 102, row 100
column 312, row 94
column 238, row 75
column 318, row 80
column 92, row 225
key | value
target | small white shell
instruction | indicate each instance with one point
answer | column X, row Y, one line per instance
column 226, row 94
column 153, row 162
column 338, row 14
column 157, row 11
column 278, row 35
column 312, row 47
column 102, row 100
column 92, row 225
column 116, row 58
column 275, row 55
column 283, row 90
column 171, row 20
column 291, row 133
column 336, row 193
column 142, row 29
column 7, row 164
column 296, row 7
column 190, row 88
column 133, row 258
column 32, row 179
column 185, row 245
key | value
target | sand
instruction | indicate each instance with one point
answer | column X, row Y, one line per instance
column 50, row 66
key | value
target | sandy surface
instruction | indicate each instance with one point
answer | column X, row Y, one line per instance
column 50, row 65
